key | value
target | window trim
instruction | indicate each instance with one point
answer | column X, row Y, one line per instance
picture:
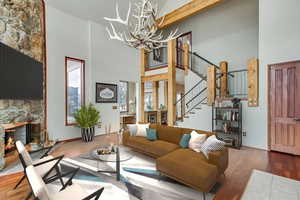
column 127, row 97
column 66, row 86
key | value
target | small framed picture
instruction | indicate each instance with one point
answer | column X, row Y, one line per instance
column 106, row 93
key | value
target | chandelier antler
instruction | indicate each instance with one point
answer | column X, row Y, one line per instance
column 142, row 30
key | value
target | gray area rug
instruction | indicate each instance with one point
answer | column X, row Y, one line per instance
column 139, row 179
column 266, row 186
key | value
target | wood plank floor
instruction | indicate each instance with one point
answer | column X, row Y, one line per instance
column 241, row 164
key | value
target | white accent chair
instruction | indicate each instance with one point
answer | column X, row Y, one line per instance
column 47, row 167
column 68, row 191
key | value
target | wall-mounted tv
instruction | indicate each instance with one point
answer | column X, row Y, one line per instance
column 21, row 77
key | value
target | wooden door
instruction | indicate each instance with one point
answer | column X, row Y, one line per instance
column 284, row 105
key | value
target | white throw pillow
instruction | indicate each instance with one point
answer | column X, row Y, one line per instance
column 142, row 130
column 196, row 141
column 132, row 129
column 212, row 144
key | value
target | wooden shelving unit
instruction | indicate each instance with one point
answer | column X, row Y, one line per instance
column 227, row 125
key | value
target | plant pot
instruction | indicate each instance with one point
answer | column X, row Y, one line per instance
column 88, row 134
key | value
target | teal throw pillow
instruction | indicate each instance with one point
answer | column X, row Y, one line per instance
column 185, row 139
column 151, row 134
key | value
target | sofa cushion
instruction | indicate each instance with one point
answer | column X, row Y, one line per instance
column 190, row 167
column 151, row 134
column 138, row 142
column 161, row 148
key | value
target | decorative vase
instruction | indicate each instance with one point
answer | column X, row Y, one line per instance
column 88, row 134
column 2, row 150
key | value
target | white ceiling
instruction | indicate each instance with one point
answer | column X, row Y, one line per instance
column 94, row 10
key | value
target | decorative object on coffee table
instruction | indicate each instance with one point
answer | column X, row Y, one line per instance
column 106, row 93
column 87, row 117
column 112, row 154
column 2, row 141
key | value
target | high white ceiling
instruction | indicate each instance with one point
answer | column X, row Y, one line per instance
column 94, row 10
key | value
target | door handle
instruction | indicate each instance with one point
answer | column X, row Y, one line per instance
column 297, row 120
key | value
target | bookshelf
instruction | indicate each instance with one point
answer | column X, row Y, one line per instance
column 227, row 124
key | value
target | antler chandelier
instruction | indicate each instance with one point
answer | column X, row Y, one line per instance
column 142, row 27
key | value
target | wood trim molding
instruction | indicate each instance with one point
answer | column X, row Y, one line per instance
column 156, row 77
column 187, row 10
column 66, row 88
column 45, row 65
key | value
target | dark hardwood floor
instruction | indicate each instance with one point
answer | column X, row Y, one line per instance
column 241, row 164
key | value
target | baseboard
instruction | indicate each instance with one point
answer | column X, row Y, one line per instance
column 79, row 138
column 257, row 148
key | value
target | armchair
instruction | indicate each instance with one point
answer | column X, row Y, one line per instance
column 47, row 166
column 68, row 191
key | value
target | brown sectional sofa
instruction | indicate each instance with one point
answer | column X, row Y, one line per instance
column 183, row 165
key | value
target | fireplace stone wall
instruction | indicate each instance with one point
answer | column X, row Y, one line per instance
column 21, row 27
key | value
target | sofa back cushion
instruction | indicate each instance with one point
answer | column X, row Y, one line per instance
column 174, row 134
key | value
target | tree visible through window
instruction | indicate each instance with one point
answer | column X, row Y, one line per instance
column 74, row 87
column 123, row 92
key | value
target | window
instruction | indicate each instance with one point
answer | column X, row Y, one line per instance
column 148, row 96
column 75, row 95
column 124, row 96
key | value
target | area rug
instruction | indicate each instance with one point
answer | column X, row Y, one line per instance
column 266, row 186
column 140, row 179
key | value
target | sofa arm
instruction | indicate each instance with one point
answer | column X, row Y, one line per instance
column 219, row 159
column 125, row 138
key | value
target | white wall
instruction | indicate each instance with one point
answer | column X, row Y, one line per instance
column 226, row 32
column 66, row 36
column 170, row 5
column 111, row 62
column 279, row 41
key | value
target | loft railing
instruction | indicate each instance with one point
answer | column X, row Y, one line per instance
column 238, row 85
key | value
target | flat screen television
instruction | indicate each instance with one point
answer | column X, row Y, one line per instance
column 21, row 77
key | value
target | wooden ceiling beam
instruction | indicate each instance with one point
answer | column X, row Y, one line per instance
column 187, row 10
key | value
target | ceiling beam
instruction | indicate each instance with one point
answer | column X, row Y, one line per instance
column 187, row 10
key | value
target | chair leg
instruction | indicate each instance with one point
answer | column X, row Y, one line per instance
column 59, row 174
column 20, row 181
column 204, row 195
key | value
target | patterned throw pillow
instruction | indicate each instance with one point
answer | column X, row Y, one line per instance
column 212, row 144
column 196, row 141
column 151, row 134
column 185, row 139
column 141, row 130
column 132, row 129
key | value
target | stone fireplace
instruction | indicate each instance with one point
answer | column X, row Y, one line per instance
column 22, row 28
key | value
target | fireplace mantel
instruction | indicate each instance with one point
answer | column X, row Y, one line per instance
column 14, row 125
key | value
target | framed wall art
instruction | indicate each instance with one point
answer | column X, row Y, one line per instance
column 106, row 93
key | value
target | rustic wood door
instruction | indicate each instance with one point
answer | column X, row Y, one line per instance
column 284, row 105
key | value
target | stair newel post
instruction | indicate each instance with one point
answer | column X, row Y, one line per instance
column 211, row 85
column 186, row 57
column 224, row 79
column 171, row 82
column 144, row 63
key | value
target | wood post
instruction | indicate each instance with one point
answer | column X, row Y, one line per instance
column 171, row 82
column 166, row 93
column 224, row 79
column 144, row 63
column 211, row 85
column 186, row 57
column 253, row 82
column 155, row 86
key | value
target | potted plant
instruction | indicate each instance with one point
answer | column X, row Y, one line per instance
column 87, row 117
